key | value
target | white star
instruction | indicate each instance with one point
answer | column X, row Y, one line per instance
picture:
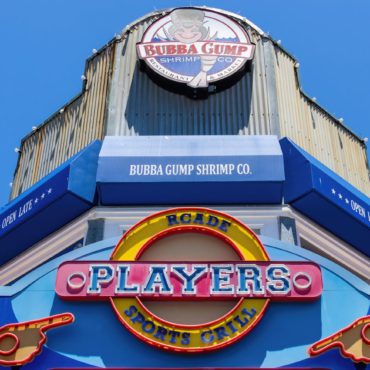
column 42, row 195
column 36, row 200
column 340, row 196
column 50, row 190
column 347, row 201
column 333, row 191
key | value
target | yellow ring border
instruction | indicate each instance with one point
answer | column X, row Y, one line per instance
column 144, row 233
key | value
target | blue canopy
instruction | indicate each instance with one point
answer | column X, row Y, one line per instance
column 190, row 170
column 325, row 197
column 51, row 203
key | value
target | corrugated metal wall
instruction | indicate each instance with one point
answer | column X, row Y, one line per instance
column 68, row 131
column 315, row 130
column 141, row 107
column 267, row 100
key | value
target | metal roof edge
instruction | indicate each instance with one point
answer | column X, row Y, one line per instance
column 311, row 100
column 78, row 95
column 336, row 120
column 53, row 115
column 264, row 35
column 164, row 11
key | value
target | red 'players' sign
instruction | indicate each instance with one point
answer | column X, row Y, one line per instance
column 189, row 280
column 249, row 282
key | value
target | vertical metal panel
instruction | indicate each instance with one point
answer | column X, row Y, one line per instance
column 68, row 131
column 26, row 162
column 138, row 106
column 315, row 130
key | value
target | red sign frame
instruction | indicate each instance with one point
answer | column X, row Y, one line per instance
column 303, row 280
column 180, row 337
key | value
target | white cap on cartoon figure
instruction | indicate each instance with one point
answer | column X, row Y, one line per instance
column 191, row 16
column 187, row 25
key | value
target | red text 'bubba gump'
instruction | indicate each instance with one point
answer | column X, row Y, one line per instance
column 148, row 50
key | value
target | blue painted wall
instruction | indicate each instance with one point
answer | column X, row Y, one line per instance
column 97, row 338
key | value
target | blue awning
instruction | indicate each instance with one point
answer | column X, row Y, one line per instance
column 51, row 203
column 326, row 198
column 190, row 170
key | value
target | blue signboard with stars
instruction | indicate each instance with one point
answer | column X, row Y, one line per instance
column 50, row 204
column 325, row 197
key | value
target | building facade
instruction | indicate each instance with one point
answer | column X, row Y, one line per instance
column 191, row 184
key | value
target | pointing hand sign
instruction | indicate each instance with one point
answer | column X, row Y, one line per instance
column 353, row 341
column 21, row 342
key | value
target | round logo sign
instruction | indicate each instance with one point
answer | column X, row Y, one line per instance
column 195, row 47
column 224, row 330
column 189, row 280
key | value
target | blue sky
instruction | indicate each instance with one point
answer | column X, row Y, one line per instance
column 44, row 45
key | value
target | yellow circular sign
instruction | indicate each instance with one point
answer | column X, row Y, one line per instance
column 189, row 338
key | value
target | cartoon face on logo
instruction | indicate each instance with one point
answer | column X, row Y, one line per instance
column 187, row 26
column 195, row 47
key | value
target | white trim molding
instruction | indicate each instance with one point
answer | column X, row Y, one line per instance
column 265, row 218
column 329, row 246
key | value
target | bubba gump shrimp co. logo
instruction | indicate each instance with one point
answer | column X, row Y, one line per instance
column 133, row 280
column 195, row 47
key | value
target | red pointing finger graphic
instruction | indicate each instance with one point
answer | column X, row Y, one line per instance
column 353, row 341
column 21, row 342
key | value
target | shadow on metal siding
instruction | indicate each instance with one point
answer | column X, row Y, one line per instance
column 141, row 107
column 315, row 130
column 137, row 106
column 68, row 131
